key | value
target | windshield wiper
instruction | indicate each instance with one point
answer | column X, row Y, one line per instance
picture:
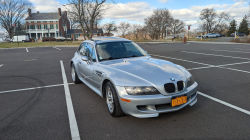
column 133, row 56
column 110, row 58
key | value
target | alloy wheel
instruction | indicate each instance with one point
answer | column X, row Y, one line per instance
column 110, row 99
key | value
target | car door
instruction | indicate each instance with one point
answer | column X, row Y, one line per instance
column 86, row 67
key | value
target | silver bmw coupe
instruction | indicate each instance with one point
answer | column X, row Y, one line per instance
column 131, row 81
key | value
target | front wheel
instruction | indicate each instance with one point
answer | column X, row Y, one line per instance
column 113, row 101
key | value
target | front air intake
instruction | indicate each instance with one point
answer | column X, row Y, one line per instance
column 169, row 87
column 180, row 85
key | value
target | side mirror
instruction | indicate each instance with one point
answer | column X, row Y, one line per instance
column 85, row 58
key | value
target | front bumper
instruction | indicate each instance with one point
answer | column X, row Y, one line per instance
column 145, row 106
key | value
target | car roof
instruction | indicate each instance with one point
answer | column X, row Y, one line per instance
column 106, row 39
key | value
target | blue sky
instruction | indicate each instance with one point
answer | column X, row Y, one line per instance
column 134, row 11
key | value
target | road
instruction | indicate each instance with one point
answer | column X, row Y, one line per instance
column 34, row 103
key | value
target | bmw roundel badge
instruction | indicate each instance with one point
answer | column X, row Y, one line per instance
column 172, row 79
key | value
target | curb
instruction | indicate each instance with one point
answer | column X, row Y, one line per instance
column 35, row 47
column 218, row 43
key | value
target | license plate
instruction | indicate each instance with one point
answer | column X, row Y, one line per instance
column 179, row 100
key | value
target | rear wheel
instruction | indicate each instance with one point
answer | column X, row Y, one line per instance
column 74, row 75
column 113, row 101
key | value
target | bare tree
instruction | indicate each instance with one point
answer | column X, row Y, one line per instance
column 110, row 28
column 212, row 20
column 11, row 12
column 123, row 28
column 74, row 22
column 88, row 12
column 176, row 26
column 157, row 22
column 4, row 36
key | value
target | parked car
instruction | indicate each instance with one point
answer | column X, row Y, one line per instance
column 198, row 36
column 238, row 34
column 241, row 34
column 132, row 81
column 210, row 35
column 20, row 38
column 219, row 35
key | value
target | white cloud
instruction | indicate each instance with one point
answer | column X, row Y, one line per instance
column 135, row 12
column 132, row 11
column 163, row 1
column 46, row 5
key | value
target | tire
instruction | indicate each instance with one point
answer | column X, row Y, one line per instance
column 23, row 41
column 112, row 101
column 74, row 75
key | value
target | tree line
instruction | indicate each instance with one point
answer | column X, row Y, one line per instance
column 211, row 21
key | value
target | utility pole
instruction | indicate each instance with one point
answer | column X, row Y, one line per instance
column 166, row 31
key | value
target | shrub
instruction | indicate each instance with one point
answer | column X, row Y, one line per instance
column 241, row 40
column 48, row 39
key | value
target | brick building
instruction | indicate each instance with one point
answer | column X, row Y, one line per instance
column 37, row 25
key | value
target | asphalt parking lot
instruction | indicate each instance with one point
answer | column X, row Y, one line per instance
column 34, row 103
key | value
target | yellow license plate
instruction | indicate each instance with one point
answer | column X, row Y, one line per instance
column 179, row 100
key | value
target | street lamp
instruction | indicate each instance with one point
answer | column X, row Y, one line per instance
column 65, row 30
column 49, row 34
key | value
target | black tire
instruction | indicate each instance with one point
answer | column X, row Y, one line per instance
column 76, row 80
column 117, row 111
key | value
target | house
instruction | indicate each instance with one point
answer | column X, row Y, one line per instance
column 40, row 25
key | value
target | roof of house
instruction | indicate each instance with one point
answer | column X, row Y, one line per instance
column 79, row 31
column 44, row 16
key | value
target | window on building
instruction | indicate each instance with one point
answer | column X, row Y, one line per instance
column 56, row 26
column 60, row 34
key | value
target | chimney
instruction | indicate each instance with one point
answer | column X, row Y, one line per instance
column 29, row 11
column 37, row 11
column 65, row 13
column 59, row 11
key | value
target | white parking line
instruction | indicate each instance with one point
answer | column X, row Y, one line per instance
column 180, row 59
column 208, row 65
column 27, row 50
column 33, row 88
column 216, row 55
column 1, row 65
column 56, row 48
column 72, row 119
column 224, row 103
column 220, row 66
column 241, row 49
column 229, row 51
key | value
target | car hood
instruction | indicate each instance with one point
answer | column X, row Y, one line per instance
column 156, row 71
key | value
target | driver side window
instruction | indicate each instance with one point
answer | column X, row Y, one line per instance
column 89, row 52
column 82, row 49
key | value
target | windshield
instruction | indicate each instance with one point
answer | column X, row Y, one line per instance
column 117, row 50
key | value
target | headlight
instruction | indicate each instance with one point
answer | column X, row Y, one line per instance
column 142, row 90
column 190, row 81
